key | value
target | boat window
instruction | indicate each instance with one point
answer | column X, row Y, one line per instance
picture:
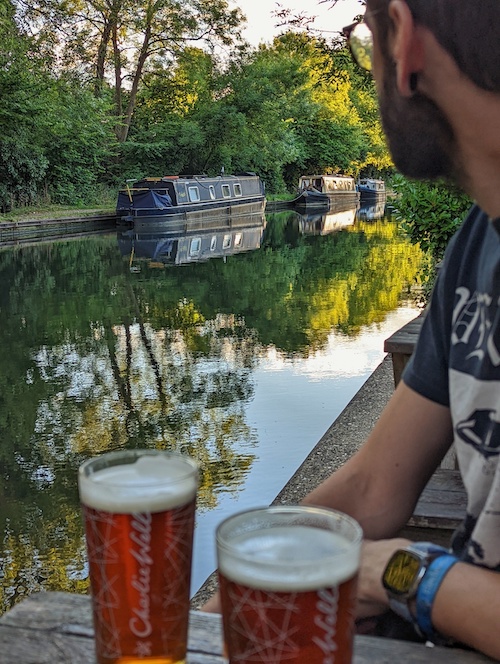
column 213, row 243
column 226, row 191
column 194, row 194
column 237, row 189
column 238, row 239
column 226, row 243
column 211, row 189
column 195, row 246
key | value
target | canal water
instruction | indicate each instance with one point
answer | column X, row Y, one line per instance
column 239, row 349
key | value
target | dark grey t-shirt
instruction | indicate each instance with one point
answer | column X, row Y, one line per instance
column 457, row 364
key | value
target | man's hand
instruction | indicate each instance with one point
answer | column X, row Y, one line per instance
column 212, row 605
column 372, row 598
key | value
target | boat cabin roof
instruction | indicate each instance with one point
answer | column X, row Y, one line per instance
column 328, row 182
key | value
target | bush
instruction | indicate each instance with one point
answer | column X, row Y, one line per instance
column 430, row 212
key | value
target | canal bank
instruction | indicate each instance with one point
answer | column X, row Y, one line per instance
column 346, row 434
column 35, row 227
column 32, row 230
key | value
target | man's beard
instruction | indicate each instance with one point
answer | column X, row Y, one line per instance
column 420, row 137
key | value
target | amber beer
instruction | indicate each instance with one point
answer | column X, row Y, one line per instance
column 288, row 585
column 139, row 508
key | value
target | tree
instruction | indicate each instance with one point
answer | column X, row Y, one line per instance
column 118, row 40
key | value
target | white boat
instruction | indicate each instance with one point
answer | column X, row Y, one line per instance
column 326, row 192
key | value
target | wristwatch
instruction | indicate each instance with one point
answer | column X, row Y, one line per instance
column 411, row 580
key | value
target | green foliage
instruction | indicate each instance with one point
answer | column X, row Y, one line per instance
column 79, row 141
column 430, row 212
column 294, row 106
column 22, row 168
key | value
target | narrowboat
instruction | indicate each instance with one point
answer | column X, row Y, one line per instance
column 371, row 189
column 326, row 192
column 172, row 201
column 218, row 238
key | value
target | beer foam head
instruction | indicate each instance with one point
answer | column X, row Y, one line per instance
column 293, row 558
column 129, row 483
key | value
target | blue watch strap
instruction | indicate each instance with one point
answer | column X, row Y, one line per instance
column 427, row 590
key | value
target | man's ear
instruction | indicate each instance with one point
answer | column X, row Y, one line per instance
column 406, row 47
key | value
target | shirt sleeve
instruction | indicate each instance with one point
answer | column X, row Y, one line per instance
column 427, row 372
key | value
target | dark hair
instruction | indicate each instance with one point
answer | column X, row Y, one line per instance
column 468, row 29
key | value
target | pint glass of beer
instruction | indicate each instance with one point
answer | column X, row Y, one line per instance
column 139, row 508
column 288, row 585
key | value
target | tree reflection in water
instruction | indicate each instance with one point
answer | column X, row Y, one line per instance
column 99, row 357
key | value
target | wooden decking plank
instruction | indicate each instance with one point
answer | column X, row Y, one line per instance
column 443, row 502
column 404, row 339
column 401, row 345
column 34, row 632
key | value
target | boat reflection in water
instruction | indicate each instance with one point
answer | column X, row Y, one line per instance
column 329, row 222
column 375, row 210
column 218, row 237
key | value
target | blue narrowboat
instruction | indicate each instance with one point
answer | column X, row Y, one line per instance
column 168, row 203
column 371, row 189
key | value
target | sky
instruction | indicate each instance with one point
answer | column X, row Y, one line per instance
column 261, row 23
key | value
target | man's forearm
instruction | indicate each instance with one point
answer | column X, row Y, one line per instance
column 380, row 484
column 467, row 608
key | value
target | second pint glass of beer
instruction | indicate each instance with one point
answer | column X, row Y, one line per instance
column 139, row 508
column 288, row 585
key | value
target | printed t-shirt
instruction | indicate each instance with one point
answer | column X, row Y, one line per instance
column 456, row 363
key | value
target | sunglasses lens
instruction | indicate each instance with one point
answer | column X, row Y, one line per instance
column 361, row 43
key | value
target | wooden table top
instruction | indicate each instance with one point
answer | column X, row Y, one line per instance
column 56, row 628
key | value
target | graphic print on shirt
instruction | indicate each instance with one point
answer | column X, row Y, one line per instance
column 471, row 326
column 476, row 404
column 475, row 407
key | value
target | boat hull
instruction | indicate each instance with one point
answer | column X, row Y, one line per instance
column 199, row 216
column 314, row 200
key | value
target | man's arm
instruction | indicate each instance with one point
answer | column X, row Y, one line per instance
column 466, row 607
column 381, row 484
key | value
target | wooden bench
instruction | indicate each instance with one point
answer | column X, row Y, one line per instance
column 440, row 509
column 401, row 345
column 56, row 628
column 443, row 503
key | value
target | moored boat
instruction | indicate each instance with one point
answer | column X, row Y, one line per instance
column 326, row 192
column 169, row 202
column 371, row 188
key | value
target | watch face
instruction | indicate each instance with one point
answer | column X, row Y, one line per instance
column 401, row 572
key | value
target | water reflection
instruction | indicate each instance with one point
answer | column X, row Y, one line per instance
column 323, row 224
column 228, row 236
column 219, row 359
column 376, row 210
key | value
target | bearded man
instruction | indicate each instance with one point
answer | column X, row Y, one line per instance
column 436, row 64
